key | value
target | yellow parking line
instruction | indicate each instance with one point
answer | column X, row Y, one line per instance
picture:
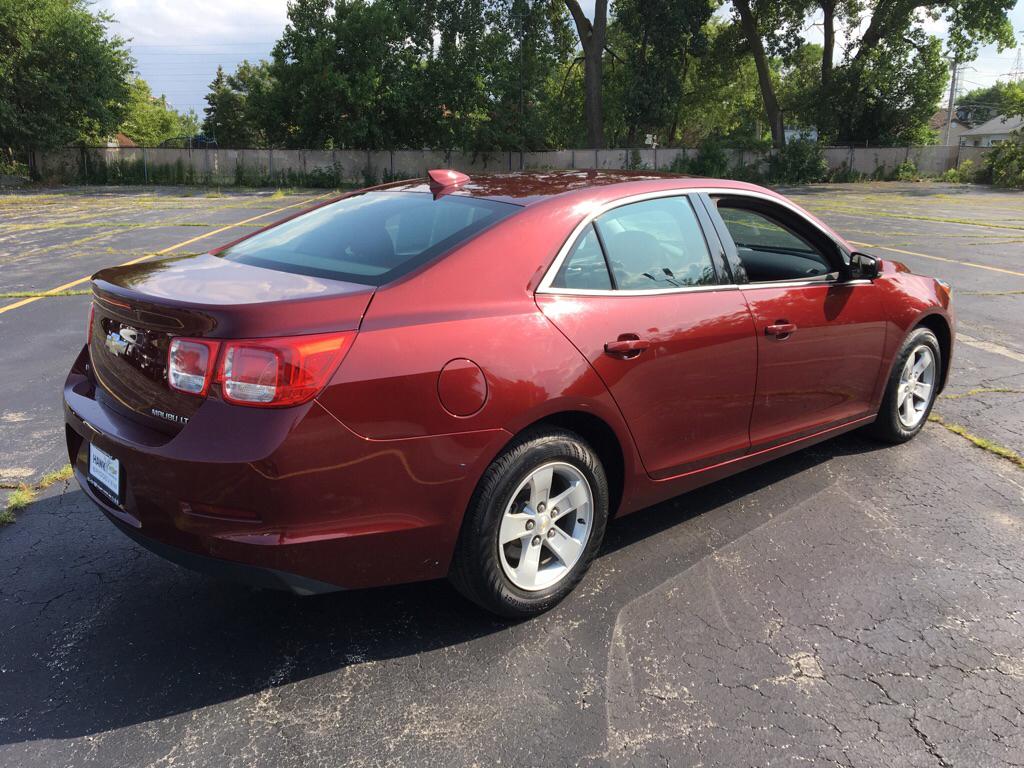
column 940, row 258
column 168, row 249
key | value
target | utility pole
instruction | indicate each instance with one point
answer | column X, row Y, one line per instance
column 952, row 98
column 1017, row 73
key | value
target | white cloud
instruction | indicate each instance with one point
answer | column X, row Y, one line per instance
column 179, row 43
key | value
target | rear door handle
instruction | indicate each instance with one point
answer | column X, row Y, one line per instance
column 626, row 347
column 779, row 329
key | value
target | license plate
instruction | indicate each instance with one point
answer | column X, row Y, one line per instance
column 105, row 473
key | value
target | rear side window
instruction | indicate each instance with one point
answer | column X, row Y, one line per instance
column 656, row 244
column 370, row 238
column 585, row 266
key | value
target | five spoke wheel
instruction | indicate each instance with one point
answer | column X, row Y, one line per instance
column 917, row 381
column 545, row 527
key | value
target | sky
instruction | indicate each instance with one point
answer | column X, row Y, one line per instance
column 179, row 43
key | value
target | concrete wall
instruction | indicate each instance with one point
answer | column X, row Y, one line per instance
column 296, row 166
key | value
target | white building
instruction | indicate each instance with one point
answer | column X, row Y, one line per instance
column 992, row 132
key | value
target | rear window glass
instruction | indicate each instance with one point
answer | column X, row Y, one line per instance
column 370, row 238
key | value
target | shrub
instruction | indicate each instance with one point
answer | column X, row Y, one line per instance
column 1004, row 164
column 801, row 161
column 680, row 163
column 906, row 171
column 963, row 174
column 634, row 162
column 711, row 160
column 844, row 175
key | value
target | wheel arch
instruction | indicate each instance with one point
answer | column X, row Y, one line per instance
column 602, row 438
column 940, row 326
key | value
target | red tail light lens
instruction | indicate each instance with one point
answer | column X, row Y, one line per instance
column 190, row 365
column 88, row 328
column 283, row 371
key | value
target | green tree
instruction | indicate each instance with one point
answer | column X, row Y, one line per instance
column 653, row 44
column 981, row 104
column 888, row 96
column 350, row 73
column 800, row 86
column 63, row 78
column 243, row 109
column 892, row 50
column 150, row 120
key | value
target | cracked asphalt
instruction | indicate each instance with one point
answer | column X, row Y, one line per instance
column 849, row 605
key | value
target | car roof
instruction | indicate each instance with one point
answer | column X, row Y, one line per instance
column 529, row 187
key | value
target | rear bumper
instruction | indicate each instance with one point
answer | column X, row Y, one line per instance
column 282, row 497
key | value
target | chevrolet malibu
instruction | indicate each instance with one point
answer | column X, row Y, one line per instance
column 470, row 377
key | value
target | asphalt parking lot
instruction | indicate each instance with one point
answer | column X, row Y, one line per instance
column 849, row 605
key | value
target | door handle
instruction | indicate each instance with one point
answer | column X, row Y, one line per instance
column 780, row 330
column 626, row 347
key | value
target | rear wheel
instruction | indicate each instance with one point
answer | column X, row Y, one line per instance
column 911, row 390
column 533, row 526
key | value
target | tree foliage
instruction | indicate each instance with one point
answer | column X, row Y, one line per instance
column 63, row 78
column 150, row 120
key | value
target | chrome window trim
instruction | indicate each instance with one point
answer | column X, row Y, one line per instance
column 635, row 292
column 802, row 284
column 545, row 286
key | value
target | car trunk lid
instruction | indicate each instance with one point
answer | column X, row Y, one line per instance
column 140, row 308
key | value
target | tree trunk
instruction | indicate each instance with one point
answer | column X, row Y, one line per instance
column 828, row 8
column 764, row 75
column 592, row 38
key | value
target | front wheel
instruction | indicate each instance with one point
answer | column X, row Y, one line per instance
column 911, row 390
column 533, row 526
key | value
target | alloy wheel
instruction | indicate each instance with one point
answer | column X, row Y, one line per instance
column 545, row 527
column 917, row 382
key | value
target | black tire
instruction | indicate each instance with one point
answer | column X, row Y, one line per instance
column 476, row 569
column 888, row 427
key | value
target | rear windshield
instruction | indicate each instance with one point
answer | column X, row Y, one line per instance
column 370, row 238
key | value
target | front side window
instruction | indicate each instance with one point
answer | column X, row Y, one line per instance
column 770, row 251
column 370, row 238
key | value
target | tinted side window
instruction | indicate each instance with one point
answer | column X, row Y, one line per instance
column 769, row 251
column 656, row 244
column 584, row 267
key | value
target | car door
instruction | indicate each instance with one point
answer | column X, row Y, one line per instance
column 643, row 294
column 820, row 334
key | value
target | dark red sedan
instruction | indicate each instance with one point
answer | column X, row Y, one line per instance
column 468, row 377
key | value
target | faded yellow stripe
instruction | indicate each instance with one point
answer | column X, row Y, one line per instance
column 161, row 252
column 940, row 258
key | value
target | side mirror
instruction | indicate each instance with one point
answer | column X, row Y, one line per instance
column 863, row 266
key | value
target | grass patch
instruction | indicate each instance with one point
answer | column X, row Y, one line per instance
column 984, row 391
column 61, row 475
column 986, row 445
column 277, row 194
column 990, row 293
column 20, row 498
column 40, row 294
column 24, row 494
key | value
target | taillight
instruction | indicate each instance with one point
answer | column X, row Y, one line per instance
column 277, row 372
column 259, row 372
column 88, row 328
column 190, row 365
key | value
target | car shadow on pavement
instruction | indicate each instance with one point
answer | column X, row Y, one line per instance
column 101, row 634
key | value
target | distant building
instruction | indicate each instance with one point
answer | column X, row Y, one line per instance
column 957, row 127
column 120, row 140
column 995, row 131
column 805, row 134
